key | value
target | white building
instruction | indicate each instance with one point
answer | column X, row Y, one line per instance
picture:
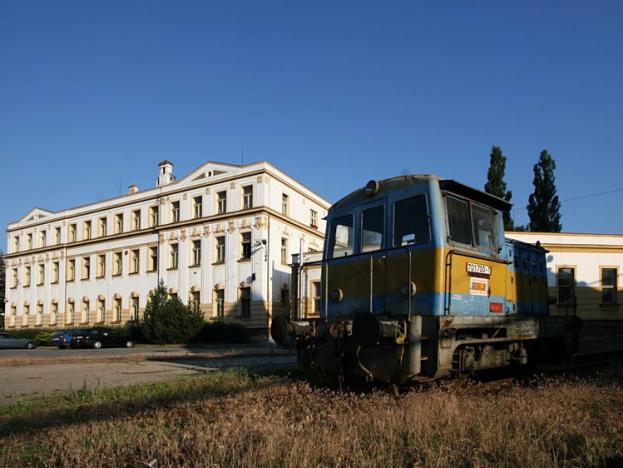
column 222, row 236
column 583, row 272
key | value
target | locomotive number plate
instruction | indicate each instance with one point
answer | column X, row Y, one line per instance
column 478, row 269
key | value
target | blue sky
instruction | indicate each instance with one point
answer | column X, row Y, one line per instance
column 94, row 94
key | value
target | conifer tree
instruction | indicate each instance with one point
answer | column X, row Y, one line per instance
column 495, row 182
column 543, row 204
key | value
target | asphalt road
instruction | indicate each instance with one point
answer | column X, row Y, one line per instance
column 26, row 381
column 142, row 349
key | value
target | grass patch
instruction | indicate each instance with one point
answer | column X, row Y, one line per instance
column 238, row 418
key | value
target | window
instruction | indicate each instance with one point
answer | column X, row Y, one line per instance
column 173, row 256
column 27, row 276
column 71, row 233
column 101, row 266
column 53, row 313
column 55, row 272
column 316, row 291
column 28, row 241
column 175, row 211
column 411, row 222
column 247, row 197
column 40, row 274
column 85, row 311
column 341, row 237
column 134, row 261
column 284, row 204
column 245, row 302
column 458, row 220
column 43, row 238
column 16, row 244
column 14, row 278
column 117, row 265
column 136, row 220
column 480, row 232
column 313, row 218
column 39, row 313
column 284, row 250
column 197, row 207
column 26, row 309
column 484, row 231
column 102, row 227
column 86, row 231
column 566, row 286
column 196, row 253
column 71, row 310
column 195, row 300
column 219, row 301
column 86, row 268
column 57, row 235
column 221, row 202
column 152, row 264
column 372, row 229
column 119, row 223
column 153, row 216
column 134, row 307
column 246, row 245
column 116, row 309
column 71, row 270
column 101, row 310
column 609, row 285
column 220, row 249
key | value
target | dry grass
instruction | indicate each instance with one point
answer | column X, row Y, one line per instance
column 234, row 418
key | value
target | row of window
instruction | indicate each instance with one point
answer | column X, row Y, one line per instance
column 153, row 219
column 565, row 282
column 194, row 299
column 134, row 261
column 468, row 223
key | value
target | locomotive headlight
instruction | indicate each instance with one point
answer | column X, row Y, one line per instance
column 408, row 289
column 337, row 295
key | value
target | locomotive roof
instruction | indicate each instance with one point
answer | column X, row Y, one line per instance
column 386, row 186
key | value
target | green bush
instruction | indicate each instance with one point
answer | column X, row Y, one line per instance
column 167, row 320
column 222, row 332
column 43, row 337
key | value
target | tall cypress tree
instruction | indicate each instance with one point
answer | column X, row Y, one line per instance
column 543, row 204
column 495, row 182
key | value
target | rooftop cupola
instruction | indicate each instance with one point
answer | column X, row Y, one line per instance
column 165, row 174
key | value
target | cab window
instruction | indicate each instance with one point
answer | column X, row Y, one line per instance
column 411, row 223
column 341, row 237
column 372, row 229
column 484, row 233
column 470, row 223
column 458, row 220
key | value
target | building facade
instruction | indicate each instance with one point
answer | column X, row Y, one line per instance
column 583, row 272
column 221, row 237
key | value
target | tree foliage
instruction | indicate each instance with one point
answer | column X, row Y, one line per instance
column 167, row 320
column 543, row 204
column 495, row 182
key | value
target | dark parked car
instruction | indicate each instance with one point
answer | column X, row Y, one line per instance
column 101, row 337
column 8, row 341
column 64, row 338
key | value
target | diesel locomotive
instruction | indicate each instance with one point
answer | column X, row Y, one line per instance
column 420, row 283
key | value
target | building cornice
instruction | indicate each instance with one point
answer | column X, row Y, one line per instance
column 160, row 192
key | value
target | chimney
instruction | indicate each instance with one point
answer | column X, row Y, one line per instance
column 132, row 189
column 165, row 175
